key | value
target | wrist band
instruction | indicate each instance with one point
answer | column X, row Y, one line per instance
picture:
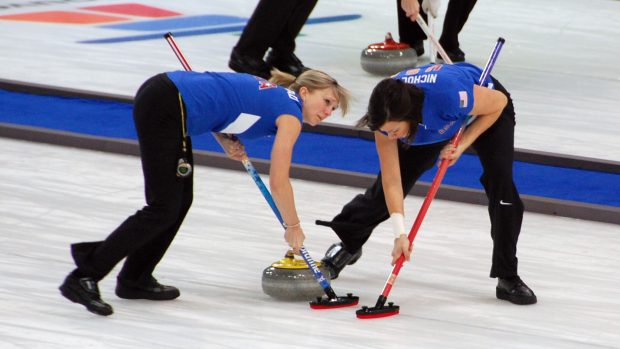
column 398, row 224
column 286, row 226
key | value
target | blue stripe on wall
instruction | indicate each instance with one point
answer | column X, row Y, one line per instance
column 175, row 23
column 114, row 120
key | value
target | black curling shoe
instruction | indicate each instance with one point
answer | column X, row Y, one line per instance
column 151, row 290
column 286, row 62
column 515, row 291
column 418, row 47
column 456, row 55
column 86, row 292
column 337, row 257
column 245, row 64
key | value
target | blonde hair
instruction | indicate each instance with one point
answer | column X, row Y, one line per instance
column 312, row 79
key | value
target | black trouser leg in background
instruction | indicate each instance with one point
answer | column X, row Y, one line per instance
column 268, row 22
column 495, row 148
column 285, row 42
column 361, row 215
column 456, row 16
column 145, row 236
column 409, row 31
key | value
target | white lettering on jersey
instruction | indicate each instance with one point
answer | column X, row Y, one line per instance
column 420, row 79
column 291, row 95
column 446, row 127
column 241, row 124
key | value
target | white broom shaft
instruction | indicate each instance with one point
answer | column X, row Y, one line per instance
column 431, row 47
column 431, row 36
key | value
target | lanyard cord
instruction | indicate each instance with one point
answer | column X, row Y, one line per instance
column 183, row 123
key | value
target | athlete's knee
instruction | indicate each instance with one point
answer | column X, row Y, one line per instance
column 165, row 213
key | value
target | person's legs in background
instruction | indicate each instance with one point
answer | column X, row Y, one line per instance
column 456, row 15
column 275, row 24
column 282, row 54
column 410, row 32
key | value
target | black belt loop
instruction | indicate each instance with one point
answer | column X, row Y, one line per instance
column 183, row 122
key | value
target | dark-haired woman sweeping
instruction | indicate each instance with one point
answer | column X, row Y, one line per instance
column 414, row 115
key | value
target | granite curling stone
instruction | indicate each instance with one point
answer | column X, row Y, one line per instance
column 388, row 57
column 290, row 279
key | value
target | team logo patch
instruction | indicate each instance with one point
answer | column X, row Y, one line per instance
column 264, row 84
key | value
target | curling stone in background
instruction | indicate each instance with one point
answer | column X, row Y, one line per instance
column 388, row 57
column 291, row 279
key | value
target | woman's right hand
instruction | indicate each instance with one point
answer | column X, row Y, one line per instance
column 411, row 8
column 295, row 237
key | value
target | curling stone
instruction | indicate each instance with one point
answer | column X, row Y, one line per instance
column 290, row 279
column 388, row 57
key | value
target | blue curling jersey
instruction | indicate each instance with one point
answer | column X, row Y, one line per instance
column 233, row 103
column 448, row 98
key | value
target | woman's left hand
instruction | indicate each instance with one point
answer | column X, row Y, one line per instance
column 451, row 153
column 401, row 247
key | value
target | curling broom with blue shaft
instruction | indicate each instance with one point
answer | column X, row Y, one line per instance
column 332, row 300
column 380, row 309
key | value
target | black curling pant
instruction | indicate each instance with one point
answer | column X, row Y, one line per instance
column 361, row 215
column 275, row 24
column 456, row 15
column 408, row 31
column 144, row 237
column 495, row 148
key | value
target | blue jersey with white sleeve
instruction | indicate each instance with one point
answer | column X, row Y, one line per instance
column 233, row 103
column 448, row 98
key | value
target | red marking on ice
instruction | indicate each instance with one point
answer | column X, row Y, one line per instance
column 133, row 10
column 66, row 17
